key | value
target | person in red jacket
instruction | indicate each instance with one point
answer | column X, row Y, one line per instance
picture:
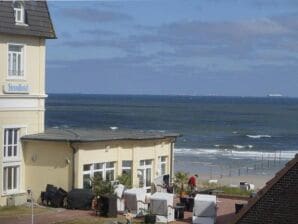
column 192, row 182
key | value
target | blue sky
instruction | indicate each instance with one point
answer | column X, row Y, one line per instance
column 192, row 47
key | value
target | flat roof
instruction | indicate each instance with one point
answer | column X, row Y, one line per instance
column 95, row 135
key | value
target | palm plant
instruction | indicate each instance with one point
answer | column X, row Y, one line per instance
column 180, row 181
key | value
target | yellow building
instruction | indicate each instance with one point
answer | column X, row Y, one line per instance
column 22, row 78
column 32, row 157
column 69, row 158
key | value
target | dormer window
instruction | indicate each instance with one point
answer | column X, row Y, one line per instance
column 19, row 12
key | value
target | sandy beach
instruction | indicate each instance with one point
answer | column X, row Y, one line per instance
column 257, row 180
column 228, row 171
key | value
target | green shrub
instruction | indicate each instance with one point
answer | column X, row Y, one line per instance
column 101, row 187
column 125, row 179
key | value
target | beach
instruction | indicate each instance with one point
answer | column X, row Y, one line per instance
column 258, row 181
column 228, row 171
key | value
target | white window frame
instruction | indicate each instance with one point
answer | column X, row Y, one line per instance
column 129, row 168
column 12, row 161
column 143, row 168
column 6, row 145
column 5, row 190
column 10, row 65
column 20, row 10
column 162, row 160
column 104, row 170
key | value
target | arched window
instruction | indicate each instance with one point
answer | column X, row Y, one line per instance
column 19, row 12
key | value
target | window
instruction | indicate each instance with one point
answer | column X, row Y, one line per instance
column 145, row 174
column 15, row 61
column 11, row 144
column 162, row 164
column 19, row 12
column 11, row 161
column 11, row 179
column 126, row 167
column 105, row 171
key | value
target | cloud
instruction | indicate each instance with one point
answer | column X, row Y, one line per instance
column 92, row 15
column 99, row 32
column 212, row 45
column 272, row 3
column 198, row 32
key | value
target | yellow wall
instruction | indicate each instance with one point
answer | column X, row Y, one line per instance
column 45, row 161
column 34, row 64
column 26, row 110
column 117, row 151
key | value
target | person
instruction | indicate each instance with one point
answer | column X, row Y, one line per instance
column 192, row 182
column 128, row 217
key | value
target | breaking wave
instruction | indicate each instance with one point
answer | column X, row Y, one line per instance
column 230, row 153
column 259, row 136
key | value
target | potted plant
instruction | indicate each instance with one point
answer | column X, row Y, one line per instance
column 180, row 181
column 149, row 217
column 106, row 198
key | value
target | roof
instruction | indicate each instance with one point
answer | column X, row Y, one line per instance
column 37, row 18
column 277, row 201
column 95, row 135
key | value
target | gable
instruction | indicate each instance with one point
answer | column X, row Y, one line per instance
column 37, row 18
column 277, row 202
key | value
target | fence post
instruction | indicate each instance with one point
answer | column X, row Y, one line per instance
column 262, row 160
column 230, row 172
column 275, row 158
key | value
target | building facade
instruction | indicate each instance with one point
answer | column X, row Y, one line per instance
column 71, row 158
column 24, row 27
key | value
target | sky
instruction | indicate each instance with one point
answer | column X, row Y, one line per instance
column 174, row 47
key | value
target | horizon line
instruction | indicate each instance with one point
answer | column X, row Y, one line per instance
column 186, row 95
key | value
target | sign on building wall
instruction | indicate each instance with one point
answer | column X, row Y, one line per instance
column 16, row 88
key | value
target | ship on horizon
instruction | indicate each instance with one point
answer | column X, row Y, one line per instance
column 275, row 95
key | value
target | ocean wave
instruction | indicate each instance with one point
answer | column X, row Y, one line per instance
column 225, row 147
column 230, row 153
column 258, row 136
column 239, row 146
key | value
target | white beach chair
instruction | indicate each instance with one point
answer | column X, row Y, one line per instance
column 134, row 200
column 161, row 205
column 204, row 211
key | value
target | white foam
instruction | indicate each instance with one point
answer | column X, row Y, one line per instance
column 236, row 154
column 239, row 146
column 259, row 136
column 113, row 128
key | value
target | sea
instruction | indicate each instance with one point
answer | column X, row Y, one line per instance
column 220, row 135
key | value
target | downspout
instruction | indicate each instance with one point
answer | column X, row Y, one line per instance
column 74, row 150
column 172, row 161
